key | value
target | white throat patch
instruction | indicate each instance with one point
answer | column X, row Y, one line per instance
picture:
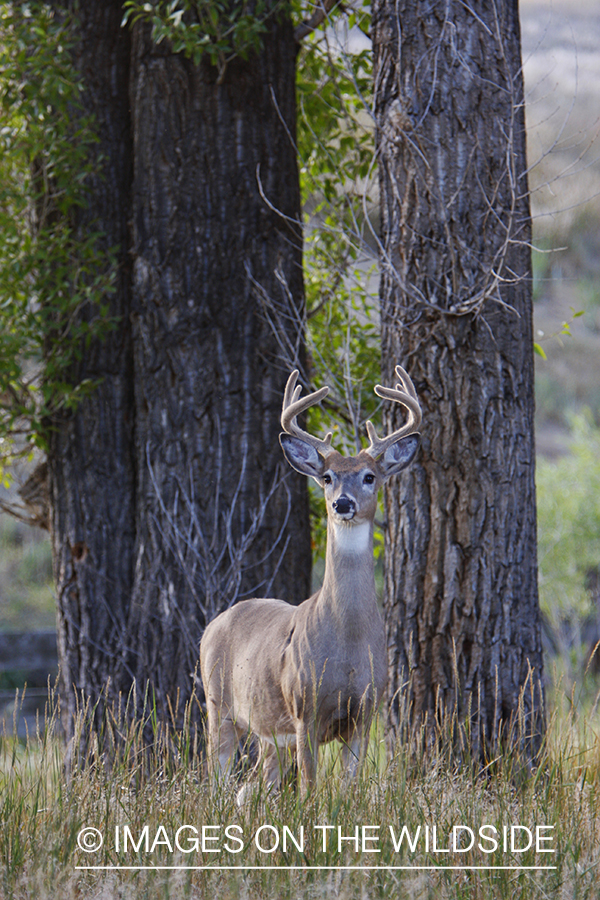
column 352, row 538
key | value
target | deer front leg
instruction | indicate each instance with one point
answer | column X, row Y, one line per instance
column 352, row 755
column 274, row 763
column 223, row 742
column 356, row 743
column 307, row 750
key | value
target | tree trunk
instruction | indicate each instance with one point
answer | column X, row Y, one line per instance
column 220, row 516
column 170, row 498
column 461, row 600
column 91, row 452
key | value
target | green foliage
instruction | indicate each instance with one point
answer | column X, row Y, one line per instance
column 52, row 288
column 569, row 531
column 565, row 331
column 217, row 30
column 336, row 154
column 335, row 127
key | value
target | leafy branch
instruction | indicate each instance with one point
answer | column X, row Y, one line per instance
column 217, row 30
column 54, row 281
column 336, row 153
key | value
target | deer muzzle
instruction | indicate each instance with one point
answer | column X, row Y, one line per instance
column 345, row 507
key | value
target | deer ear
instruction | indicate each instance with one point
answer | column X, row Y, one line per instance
column 398, row 455
column 302, row 456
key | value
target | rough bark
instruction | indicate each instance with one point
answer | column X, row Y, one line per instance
column 90, row 455
column 461, row 599
column 219, row 515
column 170, row 499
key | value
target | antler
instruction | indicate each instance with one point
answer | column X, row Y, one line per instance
column 293, row 406
column 403, row 393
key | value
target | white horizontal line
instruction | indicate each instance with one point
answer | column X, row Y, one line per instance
column 327, row 868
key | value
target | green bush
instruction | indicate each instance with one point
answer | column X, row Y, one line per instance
column 569, row 542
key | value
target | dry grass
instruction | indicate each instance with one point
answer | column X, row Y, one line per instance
column 42, row 813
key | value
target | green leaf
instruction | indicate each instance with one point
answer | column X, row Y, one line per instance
column 49, row 276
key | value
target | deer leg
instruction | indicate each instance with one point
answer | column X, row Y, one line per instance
column 351, row 756
column 355, row 745
column 223, row 743
column 307, row 750
column 353, row 753
column 273, row 762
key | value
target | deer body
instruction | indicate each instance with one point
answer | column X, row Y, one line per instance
column 296, row 677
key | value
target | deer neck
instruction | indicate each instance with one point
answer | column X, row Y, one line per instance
column 349, row 580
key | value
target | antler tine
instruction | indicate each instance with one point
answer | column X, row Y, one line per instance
column 403, row 393
column 293, row 406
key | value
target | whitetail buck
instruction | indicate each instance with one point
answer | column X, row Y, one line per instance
column 298, row 676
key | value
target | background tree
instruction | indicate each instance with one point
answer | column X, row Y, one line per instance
column 461, row 596
column 168, row 496
column 90, row 448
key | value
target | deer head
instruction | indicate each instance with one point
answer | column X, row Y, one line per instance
column 351, row 482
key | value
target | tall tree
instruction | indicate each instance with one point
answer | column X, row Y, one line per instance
column 461, row 597
column 217, row 245
column 91, row 459
column 169, row 499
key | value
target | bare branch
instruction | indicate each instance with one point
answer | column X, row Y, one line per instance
column 322, row 10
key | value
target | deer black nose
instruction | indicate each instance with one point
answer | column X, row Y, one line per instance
column 343, row 505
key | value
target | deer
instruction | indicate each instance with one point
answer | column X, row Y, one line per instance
column 295, row 677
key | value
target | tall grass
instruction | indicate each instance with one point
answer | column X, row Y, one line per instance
column 26, row 587
column 155, row 790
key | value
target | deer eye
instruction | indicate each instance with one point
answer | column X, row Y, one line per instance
column 369, row 478
column 326, row 479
